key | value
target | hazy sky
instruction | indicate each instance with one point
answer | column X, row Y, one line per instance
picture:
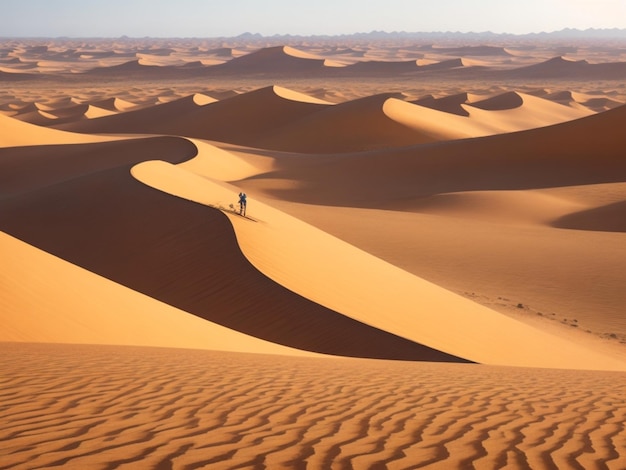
column 213, row 18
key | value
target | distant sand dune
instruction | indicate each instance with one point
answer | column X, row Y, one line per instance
column 144, row 120
column 596, row 103
column 238, row 119
column 94, row 112
column 49, row 115
column 449, row 104
column 473, row 51
column 275, row 60
column 509, row 100
column 282, row 119
column 377, row 67
column 369, row 123
column 514, row 111
column 17, row 133
column 114, row 104
column 558, row 155
column 560, row 67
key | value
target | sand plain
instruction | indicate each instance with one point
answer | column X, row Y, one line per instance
column 430, row 273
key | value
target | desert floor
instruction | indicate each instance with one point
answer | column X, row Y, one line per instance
column 430, row 272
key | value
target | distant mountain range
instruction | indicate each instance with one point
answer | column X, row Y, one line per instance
column 564, row 34
column 567, row 33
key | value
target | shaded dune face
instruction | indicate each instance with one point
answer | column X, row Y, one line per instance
column 239, row 119
column 23, row 169
column 179, row 252
column 608, row 218
column 584, row 151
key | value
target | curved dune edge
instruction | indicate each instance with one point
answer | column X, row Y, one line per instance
column 515, row 111
column 292, row 95
column 182, row 253
column 222, row 165
column 278, row 118
column 374, row 292
column 509, row 112
column 35, row 307
column 16, row 133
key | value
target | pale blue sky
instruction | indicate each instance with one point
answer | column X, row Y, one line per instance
column 213, row 18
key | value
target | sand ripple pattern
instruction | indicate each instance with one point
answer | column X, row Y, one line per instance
column 103, row 407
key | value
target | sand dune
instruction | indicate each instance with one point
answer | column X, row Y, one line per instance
column 313, row 125
column 594, row 102
column 94, row 112
column 114, row 104
column 563, row 67
column 102, row 207
column 106, row 251
column 473, row 51
column 275, row 60
column 436, row 203
column 426, row 183
column 35, row 307
column 377, row 67
column 514, row 111
column 52, row 115
column 558, row 155
column 375, row 122
column 10, row 75
column 411, row 300
column 149, row 68
column 21, row 107
column 449, row 104
column 17, row 133
column 306, row 62
column 238, row 119
column 145, row 120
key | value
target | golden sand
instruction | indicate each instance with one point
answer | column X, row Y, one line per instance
column 429, row 275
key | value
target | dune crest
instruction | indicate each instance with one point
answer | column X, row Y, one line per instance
column 417, row 306
column 295, row 96
column 17, row 133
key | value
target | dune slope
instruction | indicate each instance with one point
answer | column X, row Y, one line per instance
column 369, row 290
column 238, row 119
column 186, row 255
column 44, row 299
column 583, row 151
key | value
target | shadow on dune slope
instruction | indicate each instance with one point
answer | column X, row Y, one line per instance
column 609, row 218
column 176, row 251
column 589, row 150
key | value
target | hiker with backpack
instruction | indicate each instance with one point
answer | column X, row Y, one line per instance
column 242, row 203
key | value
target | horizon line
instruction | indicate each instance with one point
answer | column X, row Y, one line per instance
column 248, row 34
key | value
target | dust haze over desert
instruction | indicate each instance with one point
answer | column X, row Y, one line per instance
column 430, row 272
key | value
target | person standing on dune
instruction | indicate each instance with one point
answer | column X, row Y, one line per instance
column 242, row 203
